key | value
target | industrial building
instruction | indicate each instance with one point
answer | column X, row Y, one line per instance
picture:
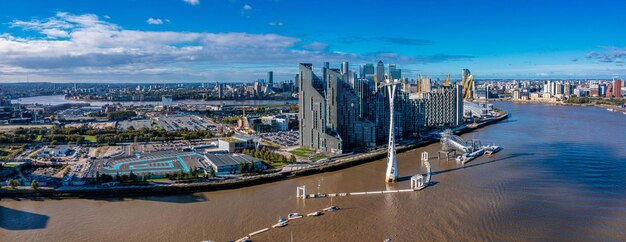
column 224, row 164
column 237, row 143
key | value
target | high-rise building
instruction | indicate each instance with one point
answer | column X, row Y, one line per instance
column 367, row 69
column 167, row 100
column 220, row 90
column 329, row 113
column 336, row 114
column 426, row 85
column 617, row 88
column 395, row 72
column 609, row 90
column 594, row 90
column 602, row 90
column 344, row 68
column 443, row 107
column 270, row 79
column 559, row 89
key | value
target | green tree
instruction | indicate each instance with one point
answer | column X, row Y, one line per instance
column 211, row 171
column 104, row 178
column 292, row 159
column 240, row 168
column 132, row 176
column 34, row 184
column 13, row 183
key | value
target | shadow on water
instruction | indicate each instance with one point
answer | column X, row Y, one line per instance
column 173, row 198
column 11, row 219
column 482, row 163
column 508, row 121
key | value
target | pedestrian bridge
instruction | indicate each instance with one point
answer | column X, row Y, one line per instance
column 418, row 182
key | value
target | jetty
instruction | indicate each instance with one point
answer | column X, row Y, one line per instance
column 418, row 182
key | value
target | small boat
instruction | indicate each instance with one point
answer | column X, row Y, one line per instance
column 282, row 220
column 331, row 209
column 492, row 149
column 316, row 213
column 244, row 239
column 624, row 113
column 278, row 225
column 610, row 109
column 294, row 216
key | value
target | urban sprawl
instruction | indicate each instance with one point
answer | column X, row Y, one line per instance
column 108, row 136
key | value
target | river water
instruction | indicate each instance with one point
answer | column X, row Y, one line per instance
column 561, row 177
column 60, row 99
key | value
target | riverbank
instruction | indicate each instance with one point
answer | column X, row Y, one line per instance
column 60, row 99
column 560, row 103
column 156, row 189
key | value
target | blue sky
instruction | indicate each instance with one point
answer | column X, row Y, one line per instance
column 235, row 40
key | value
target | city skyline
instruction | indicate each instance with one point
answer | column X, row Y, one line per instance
column 205, row 41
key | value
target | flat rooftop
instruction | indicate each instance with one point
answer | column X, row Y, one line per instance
column 230, row 159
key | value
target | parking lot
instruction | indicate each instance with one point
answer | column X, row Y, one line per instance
column 136, row 124
column 284, row 138
column 190, row 122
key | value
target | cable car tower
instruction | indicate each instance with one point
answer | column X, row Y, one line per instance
column 392, row 166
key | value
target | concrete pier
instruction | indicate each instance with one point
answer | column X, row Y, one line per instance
column 418, row 182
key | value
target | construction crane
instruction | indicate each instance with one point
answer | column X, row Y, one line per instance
column 467, row 86
column 447, row 80
column 419, row 84
column 375, row 83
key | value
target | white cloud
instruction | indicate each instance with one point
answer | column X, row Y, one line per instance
column 157, row 21
column 84, row 46
column 247, row 7
column 192, row 2
column 608, row 55
column 276, row 23
column 315, row 46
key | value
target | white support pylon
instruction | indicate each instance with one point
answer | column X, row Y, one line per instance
column 427, row 164
column 301, row 192
column 392, row 166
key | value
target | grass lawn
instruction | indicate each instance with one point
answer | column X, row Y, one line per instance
column 319, row 157
column 303, row 149
column 158, row 179
column 302, row 152
column 10, row 152
column 90, row 138
column 299, row 153
column 277, row 164
column 307, row 153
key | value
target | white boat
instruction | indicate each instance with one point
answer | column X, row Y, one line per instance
column 294, row 216
column 610, row 110
column 492, row 149
column 278, row 225
column 316, row 213
column 467, row 157
column 331, row 209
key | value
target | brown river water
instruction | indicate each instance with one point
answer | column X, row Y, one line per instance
column 561, row 177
